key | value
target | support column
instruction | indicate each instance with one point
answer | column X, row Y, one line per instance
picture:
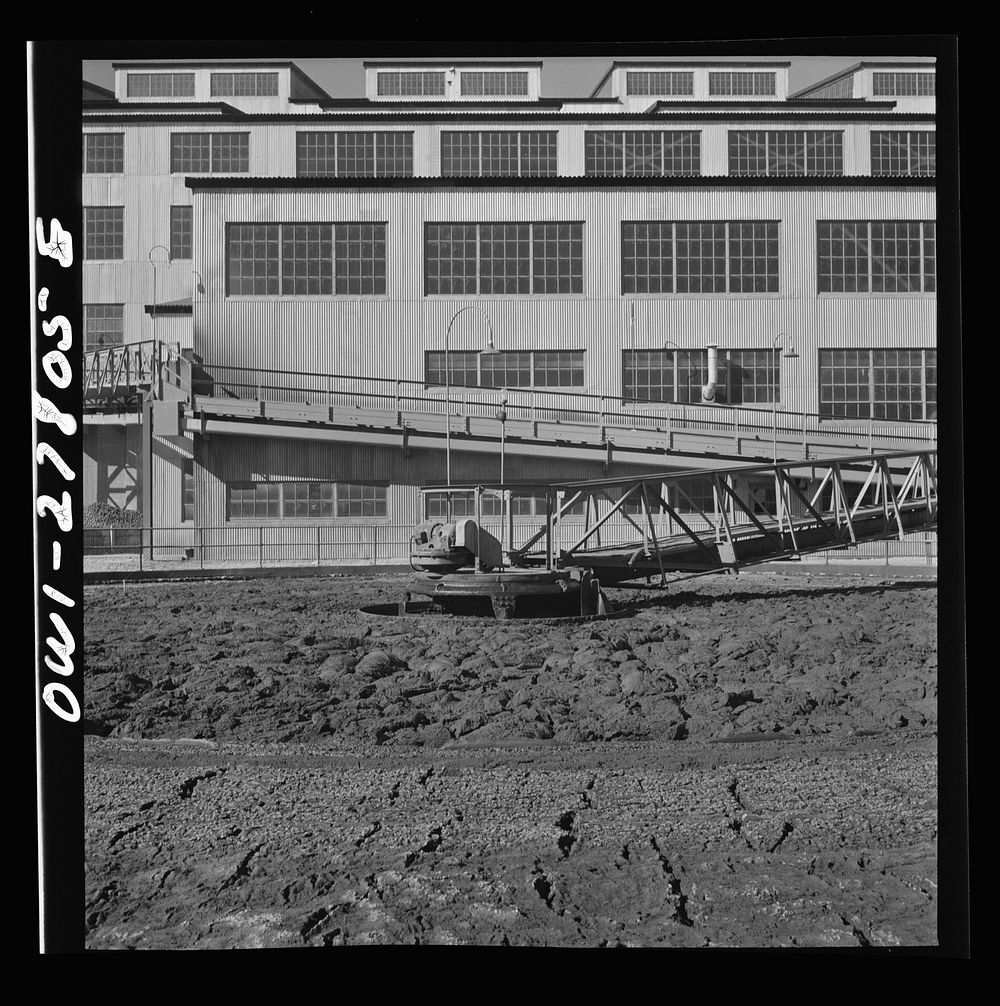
column 146, row 476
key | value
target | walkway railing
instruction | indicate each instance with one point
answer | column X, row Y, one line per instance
column 137, row 366
column 407, row 400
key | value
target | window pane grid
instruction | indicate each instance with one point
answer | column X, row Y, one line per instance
column 316, row 154
column 103, row 326
column 181, row 221
column 356, row 155
column 786, row 152
column 843, row 256
column 741, row 83
column 160, row 85
column 698, row 495
column 411, row 83
column 897, row 385
column 463, row 368
column 494, row 83
column 450, row 257
column 512, row 258
column 104, row 153
column 306, row 259
column 209, row 152
column 512, row 154
column 903, row 153
column 504, row 258
column 103, row 232
column 744, row 377
column 557, row 251
column 700, row 257
column 253, row 258
column 507, row 369
column 753, row 256
column 558, row 369
column 230, row 152
column 240, row 85
column 360, row 258
column 499, row 153
column 315, row 500
column 896, row 260
column 647, row 257
column 881, row 256
column 657, row 82
column 309, row 259
column 903, row 85
column 692, row 257
column 628, row 153
column 191, row 152
column 539, row 157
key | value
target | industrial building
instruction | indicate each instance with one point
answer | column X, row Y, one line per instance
column 300, row 309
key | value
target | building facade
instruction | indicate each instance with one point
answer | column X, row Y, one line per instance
column 454, row 241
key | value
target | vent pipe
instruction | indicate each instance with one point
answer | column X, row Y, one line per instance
column 708, row 390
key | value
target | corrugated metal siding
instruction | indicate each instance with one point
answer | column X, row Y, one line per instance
column 147, row 190
column 387, row 336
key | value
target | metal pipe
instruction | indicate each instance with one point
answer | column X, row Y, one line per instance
column 708, row 389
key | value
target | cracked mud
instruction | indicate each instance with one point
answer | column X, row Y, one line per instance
column 747, row 761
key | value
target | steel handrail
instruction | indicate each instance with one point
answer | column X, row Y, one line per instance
column 757, row 418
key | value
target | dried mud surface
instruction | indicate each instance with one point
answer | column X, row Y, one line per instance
column 743, row 761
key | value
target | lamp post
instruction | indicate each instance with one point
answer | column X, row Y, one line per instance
column 447, row 385
column 788, row 354
column 152, row 262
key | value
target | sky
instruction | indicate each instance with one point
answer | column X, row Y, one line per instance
column 562, row 76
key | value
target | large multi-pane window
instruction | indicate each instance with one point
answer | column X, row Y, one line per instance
column 890, row 384
column 741, row 82
column 786, row 152
column 903, row 153
column 181, row 218
column 225, row 153
column 411, row 83
column 103, row 326
column 744, row 376
column 497, row 258
column 876, row 256
column 628, row 153
column 659, row 82
column 504, row 153
column 903, row 85
column 313, row 259
column 244, row 85
column 282, row 500
column 713, row 256
column 509, row 369
column 354, row 154
column 103, row 232
column 160, row 85
column 104, row 153
column 494, row 83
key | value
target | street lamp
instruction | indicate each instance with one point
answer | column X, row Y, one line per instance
column 788, row 354
column 447, row 383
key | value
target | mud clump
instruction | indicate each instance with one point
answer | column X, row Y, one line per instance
column 292, row 659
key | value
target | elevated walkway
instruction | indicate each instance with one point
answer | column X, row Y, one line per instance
column 260, row 402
